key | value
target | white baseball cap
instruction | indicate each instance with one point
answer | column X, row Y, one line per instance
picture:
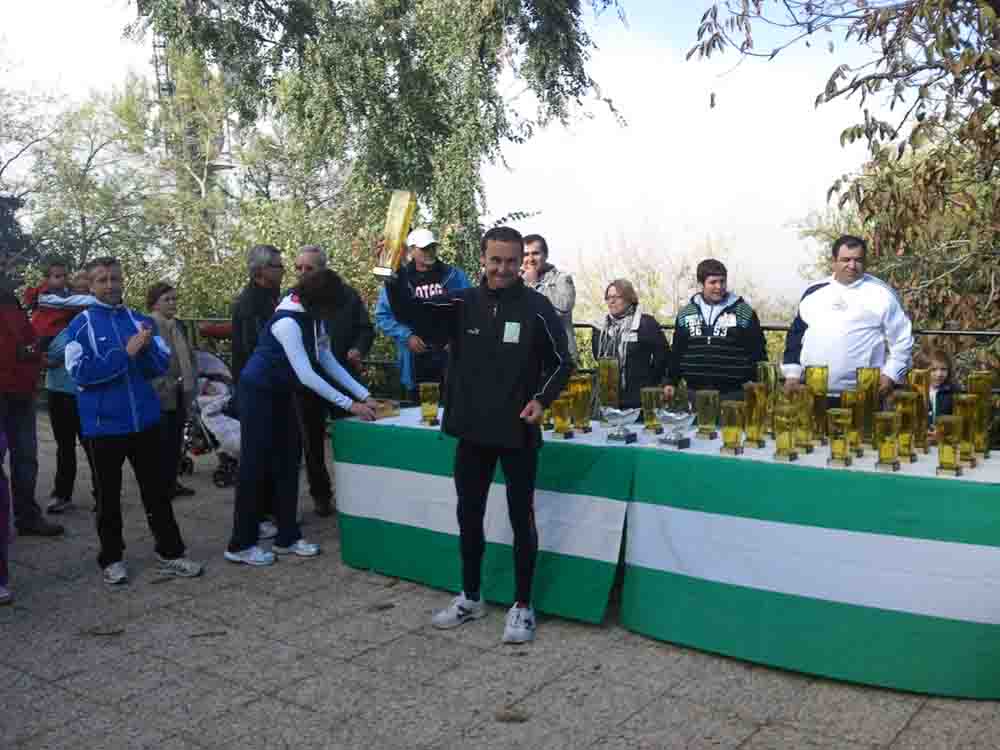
column 421, row 238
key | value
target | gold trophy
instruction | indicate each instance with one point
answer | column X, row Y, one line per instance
column 920, row 382
column 949, row 439
column 839, row 422
column 785, row 427
column 769, row 375
column 817, row 380
column 385, row 408
column 652, row 401
column 755, row 410
column 886, row 440
column 850, row 400
column 966, row 406
column 906, row 408
column 707, row 407
column 732, row 428
column 803, row 399
column 868, row 382
column 580, row 389
column 608, row 376
column 547, row 423
column 402, row 206
column 430, row 397
column 980, row 382
column 562, row 415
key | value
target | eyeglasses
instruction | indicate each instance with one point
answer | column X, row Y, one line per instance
column 612, row 298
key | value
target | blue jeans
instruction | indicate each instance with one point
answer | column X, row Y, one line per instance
column 22, row 434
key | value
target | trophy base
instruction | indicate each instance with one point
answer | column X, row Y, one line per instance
column 786, row 457
column 658, row 430
column 859, row 452
column 969, row 463
column 887, row 467
column 678, row 443
column 586, row 430
column 568, row 435
column 626, row 439
column 707, row 434
column 942, row 472
column 925, row 450
column 822, row 441
column 430, row 422
column 806, row 448
column 383, row 273
column 982, row 455
column 841, row 462
column 755, row 443
column 731, row 450
column 911, row 459
column 548, row 426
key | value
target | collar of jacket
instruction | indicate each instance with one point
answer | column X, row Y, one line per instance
column 511, row 292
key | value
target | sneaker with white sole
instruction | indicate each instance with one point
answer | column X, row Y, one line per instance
column 460, row 611
column 251, row 556
column 301, row 548
column 180, row 567
column 59, row 504
column 116, row 573
column 520, row 625
column 6, row 596
column 266, row 530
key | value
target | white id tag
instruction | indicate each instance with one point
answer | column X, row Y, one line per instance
column 511, row 332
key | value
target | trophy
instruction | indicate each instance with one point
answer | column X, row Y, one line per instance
column 920, row 382
column 769, row 374
column 966, row 406
column 732, row 428
column 652, row 401
column 430, row 397
column 852, row 401
column 608, row 376
column 562, row 417
column 906, row 408
column 547, row 423
column 886, row 440
column 785, row 426
column 817, row 379
column 707, row 407
column 385, row 408
column 839, row 422
column 675, row 425
column 755, row 412
column 868, row 382
column 980, row 382
column 949, row 438
column 580, row 390
column 619, row 419
column 803, row 399
column 681, row 401
column 402, row 206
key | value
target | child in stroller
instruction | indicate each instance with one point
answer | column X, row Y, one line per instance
column 212, row 426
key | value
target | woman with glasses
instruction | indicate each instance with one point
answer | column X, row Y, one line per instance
column 632, row 337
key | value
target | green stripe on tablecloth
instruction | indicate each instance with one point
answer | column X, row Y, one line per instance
column 432, row 558
column 572, row 469
column 847, row 642
column 918, row 507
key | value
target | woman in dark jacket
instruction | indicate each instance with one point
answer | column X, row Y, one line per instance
column 632, row 337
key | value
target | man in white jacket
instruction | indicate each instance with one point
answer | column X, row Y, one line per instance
column 848, row 321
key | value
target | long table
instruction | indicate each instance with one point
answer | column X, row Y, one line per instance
column 887, row 580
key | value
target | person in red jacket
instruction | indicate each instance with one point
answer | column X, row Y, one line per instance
column 20, row 365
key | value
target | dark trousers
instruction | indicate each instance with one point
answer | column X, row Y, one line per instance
column 315, row 411
column 172, row 439
column 22, row 435
column 474, row 467
column 142, row 449
column 65, row 419
column 269, row 452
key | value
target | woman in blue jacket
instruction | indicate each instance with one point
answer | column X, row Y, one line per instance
column 291, row 350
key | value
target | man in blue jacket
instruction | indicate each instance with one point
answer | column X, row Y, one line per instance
column 422, row 358
column 112, row 354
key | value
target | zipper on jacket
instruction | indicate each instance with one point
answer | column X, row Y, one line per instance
column 128, row 373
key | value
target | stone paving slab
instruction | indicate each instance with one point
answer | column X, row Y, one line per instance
column 314, row 654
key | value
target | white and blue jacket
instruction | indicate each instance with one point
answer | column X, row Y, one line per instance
column 116, row 397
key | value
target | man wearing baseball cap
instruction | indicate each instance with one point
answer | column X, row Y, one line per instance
column 422, row 355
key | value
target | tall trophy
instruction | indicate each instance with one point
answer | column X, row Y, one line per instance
column 651, row 398
column 886, row 440
column 868, row 382
column 769, row 374
column 804, row 437
column 966, row 406
column 851, row 400
column 980, row 382
column 732, row 428
column 580, row 390
column 785, row 427
column 608, row 375
column 949, row 439
column 562, row 417
column 402, row 206
column 920, row 382
column 707, row 407
column 430, row 397
column 839, row 421
column 906, row 408
column 817, row 380
column 755, row 399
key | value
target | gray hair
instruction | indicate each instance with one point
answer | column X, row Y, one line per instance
column 315, row 249
column 260, row 256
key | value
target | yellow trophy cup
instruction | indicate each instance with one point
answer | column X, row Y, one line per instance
column 886, row 440
column 949, row 439
column 707, row 407
column 562, row 416
column 732, row 428
column 850, row 400
column 920, row 382
column 803, row 399
column 980, row 382
column 608, row 376
column 402, row 206
column 580, row 387
column 839, row 423
column 817, row 380
column 906, row 407
column 966, row 406
column 868, row 382
column 651, row 399
column 430, row 397
column 755, row 412
column 769, row 374
column 785, row 426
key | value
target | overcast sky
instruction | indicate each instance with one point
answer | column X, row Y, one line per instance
column 763, row 158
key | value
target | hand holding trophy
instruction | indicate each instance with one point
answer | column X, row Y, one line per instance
column 389, row 253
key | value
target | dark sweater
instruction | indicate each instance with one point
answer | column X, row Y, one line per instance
column 647, row 356
column 251, row 310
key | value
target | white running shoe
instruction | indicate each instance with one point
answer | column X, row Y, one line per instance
column 266, row 530
column 116, row 573
column 460, row 611
column 180, row 567
column 251, row 556
column 301, row 548
column 520, row 626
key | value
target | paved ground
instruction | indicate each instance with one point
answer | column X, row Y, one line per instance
column 312, row 654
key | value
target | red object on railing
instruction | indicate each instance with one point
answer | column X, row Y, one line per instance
column 216, row 330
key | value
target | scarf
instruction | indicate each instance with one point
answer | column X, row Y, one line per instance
column 179, row 349
column 614, row 340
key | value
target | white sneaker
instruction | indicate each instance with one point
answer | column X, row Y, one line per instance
column 301, row 548
column 116, row 573
column 460, row 611
column 6, row 596
column 251, row 556
column 266, row 530
column 180, row 567
column 520, row 626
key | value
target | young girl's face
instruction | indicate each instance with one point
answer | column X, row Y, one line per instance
column 939, row 374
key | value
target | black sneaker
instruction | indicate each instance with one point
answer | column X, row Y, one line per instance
column 323, row 506
column 40, row 527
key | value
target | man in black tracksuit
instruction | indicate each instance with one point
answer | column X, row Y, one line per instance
column 509, row 360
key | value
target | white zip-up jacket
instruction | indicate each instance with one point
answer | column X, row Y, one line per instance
column 849, row 326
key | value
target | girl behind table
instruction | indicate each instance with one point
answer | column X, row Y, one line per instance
column 292, row 348
column 943, row 386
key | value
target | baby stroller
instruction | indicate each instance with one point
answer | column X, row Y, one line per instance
column 212, row 425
